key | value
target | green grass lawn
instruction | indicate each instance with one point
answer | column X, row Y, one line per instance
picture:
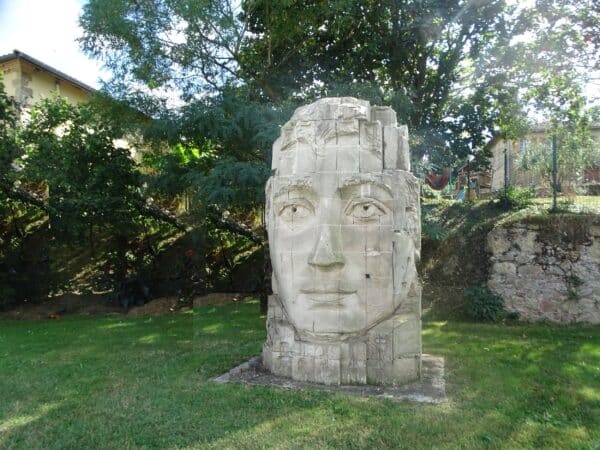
column 115, row 382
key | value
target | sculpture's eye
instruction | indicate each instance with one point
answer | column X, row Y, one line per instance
column 365, row 210
column 295, row 211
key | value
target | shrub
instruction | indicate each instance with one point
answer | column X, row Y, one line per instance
column 483, row 304
column 429, row 193
column 516, row 198
column 433, row 231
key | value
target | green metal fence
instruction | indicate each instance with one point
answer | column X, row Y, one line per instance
column 560, row 177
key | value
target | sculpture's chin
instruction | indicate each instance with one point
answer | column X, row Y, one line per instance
column 327, row 316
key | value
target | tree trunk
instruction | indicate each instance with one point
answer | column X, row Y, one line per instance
column 121, row 269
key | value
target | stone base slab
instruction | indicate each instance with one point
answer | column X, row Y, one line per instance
column 431, row 388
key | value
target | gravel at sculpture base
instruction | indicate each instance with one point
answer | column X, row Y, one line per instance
column 430, row 388
column 343, row 219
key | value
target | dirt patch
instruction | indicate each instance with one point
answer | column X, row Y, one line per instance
column 158, row 307
column 90, row 305
column 220, row 299
column 67, row 304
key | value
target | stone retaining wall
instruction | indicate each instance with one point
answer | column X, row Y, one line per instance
column 549, row 268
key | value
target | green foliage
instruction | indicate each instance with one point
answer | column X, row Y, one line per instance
column 546, row 71
column 429, row 193
column 483, row 304
column 430, row 223
column 9, row 149
column 516, row 198
column 195, row 46
column 92, row 181
column 11, row 211
column 232, row 134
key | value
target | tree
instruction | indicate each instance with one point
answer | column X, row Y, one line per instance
column 455, row 71
column 161, row 44
column 9, row 146
column 92, row 182
column 406, row 53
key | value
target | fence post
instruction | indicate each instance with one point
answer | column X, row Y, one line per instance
column 554, row 174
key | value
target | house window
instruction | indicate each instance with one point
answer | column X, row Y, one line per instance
column 522, row 145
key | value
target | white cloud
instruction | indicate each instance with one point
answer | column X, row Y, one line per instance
column 47, row 30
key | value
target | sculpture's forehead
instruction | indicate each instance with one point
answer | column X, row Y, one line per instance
column 331, row 181
column 341, row 135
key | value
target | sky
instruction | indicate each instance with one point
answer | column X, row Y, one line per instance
column 47, row 30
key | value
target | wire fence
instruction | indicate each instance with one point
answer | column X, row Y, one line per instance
column 556, row 175
column 559, row 177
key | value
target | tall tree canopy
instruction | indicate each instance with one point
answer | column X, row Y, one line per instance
column 452, row 69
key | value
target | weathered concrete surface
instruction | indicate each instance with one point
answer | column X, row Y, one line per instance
column 548, row 271
column 431, row 388
column 343, row 219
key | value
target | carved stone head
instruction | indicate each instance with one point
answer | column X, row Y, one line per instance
column 342, row 218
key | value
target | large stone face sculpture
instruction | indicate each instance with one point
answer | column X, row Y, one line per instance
column 343, row 220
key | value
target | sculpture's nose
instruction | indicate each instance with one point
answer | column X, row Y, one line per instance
column 326, row 253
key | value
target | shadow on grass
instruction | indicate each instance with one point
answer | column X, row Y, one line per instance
column 145, row 382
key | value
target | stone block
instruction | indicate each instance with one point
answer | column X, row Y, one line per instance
column 326, row 162
column 274, row 308
column 375, row 372
column 403, row 149
column 380, row 344
column 348, row 160
column 530, row 271
column 327, row 371
column 280, row 364
column 267, row 357
column 504, row 268
column 350, row 107
column 384, row 114
column 303, row 368
column 371, row 136
column 391, row 146
column 353, row 371
column 406, row 338
column 348, row 132
column 370, row 161
column 403, row 370
column 297, row 161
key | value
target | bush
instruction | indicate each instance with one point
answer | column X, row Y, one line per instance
column 483, row 305
column 516, row 198
column 429, row 193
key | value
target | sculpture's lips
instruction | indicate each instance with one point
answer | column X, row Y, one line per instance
column 327, row 297
column 328, row 291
